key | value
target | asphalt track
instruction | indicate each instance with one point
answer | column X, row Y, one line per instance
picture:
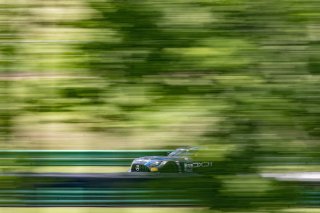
column 97, row 190
column 127, row 189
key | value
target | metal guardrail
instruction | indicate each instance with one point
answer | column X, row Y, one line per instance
column 97, row 157
column 74, row 157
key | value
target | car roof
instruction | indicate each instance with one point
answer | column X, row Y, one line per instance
column 189, row 148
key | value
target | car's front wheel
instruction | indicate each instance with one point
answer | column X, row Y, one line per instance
column 170, row 167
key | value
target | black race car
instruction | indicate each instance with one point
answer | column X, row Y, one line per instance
column 179, row 161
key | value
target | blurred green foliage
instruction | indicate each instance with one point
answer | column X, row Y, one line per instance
column 239, row 76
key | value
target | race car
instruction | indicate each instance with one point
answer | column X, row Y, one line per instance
column 179, row 161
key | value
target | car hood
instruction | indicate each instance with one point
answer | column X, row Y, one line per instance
column 154, row 158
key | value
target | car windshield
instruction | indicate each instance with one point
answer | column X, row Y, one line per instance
column 178, row 152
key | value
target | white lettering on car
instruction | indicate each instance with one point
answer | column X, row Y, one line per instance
column 201, row 164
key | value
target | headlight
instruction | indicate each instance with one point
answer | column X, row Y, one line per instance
column 155, row 163
column 163, row 162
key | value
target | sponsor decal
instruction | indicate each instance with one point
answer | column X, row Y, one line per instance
column 203, row 164
column 154, row 169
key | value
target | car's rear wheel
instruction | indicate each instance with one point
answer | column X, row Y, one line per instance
column 170, row 167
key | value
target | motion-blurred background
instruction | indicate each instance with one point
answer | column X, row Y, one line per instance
column 238, row 76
